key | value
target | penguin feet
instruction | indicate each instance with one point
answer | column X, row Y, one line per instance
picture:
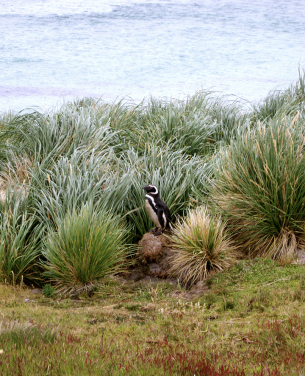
column 154, row 230
column 156, row 233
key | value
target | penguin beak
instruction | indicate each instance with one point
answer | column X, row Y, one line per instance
column 145, row 188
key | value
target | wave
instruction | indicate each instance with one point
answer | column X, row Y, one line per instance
column 45, row 8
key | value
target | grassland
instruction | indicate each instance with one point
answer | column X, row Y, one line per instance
column 71, row 214
column 249, row 321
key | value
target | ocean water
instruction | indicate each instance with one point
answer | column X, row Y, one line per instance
column 56, row 50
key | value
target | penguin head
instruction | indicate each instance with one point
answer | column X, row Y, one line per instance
column 151, row 189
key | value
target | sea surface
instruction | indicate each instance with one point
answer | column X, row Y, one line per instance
column 56, row 50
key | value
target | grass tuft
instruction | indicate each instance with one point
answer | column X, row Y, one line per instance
column 260, row 187
column 200, row 246
column 48, row 290
column 86, row 247
column 20, row 239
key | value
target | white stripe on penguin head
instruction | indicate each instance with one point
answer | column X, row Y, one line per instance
column 156, row 190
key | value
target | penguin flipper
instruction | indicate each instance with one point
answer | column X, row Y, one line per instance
column 162, row 218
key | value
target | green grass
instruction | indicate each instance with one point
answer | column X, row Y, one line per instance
column 174, row 173
column 204, row 149
column 20, row 240
column 278, row 103
column 249, row 322
column 72, row 179
column 86, row 246
column 259, row 188
column 48, row 290
column 71, row 183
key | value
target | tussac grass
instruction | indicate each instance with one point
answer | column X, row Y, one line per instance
column 259, row 186
column 200, row 246
column 101, row 239
column 289, row 101
column 97, row 153
column 249, row 322
column 20, row 239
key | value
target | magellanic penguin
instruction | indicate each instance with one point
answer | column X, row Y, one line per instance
column 156, row 209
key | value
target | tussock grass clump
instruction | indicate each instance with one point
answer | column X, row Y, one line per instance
column 268, row 107
column 40, row 136
column 200, row 246
column 86, row 247
column 194, row 126
column 48, row 291
column 90, row 153
column 174, row 173
column 71, row 183
column 20, row 238
column 180, row 124
column 260, row 186
column 228, row 118
column 277, row 102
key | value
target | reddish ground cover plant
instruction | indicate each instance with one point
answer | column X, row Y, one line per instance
column 38, row 351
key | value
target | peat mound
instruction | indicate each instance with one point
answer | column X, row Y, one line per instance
column 153, row 257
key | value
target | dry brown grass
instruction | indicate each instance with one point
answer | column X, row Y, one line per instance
column 201, row 246
column 15, row 174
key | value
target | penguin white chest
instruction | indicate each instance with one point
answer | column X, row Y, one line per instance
column 152, row 214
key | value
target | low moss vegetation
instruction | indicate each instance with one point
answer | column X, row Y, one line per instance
column 72, row 212
column 250, row 321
